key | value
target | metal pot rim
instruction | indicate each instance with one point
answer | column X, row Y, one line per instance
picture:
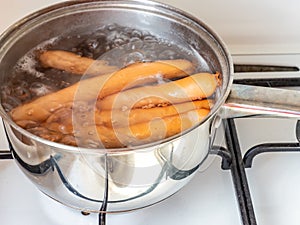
column 6, row 36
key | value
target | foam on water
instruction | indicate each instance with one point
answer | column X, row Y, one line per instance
column 29, row 63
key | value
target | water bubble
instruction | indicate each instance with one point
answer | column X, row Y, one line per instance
column 81, row 107
column 62, row 128
column 160, row 79
column 124, row 35
column 118, row 42
column 111, row 27
column 92, row 143
column 133, row 57
column 150, row 38
column 124, row 108
column 40, row 89
column 136, row 33
column 30, row 112
column 52, row 110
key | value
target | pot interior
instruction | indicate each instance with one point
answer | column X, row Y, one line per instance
column 67, row 24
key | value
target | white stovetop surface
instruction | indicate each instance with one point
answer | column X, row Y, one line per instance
column 252, row 27
column 209, row 199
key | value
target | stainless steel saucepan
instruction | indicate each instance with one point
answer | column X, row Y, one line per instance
column 129, row 178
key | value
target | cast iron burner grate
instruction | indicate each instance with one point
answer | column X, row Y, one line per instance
column 233, row 160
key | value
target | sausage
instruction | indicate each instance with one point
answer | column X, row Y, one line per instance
column 198, row 86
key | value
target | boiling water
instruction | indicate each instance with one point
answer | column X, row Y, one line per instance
column 119, row 46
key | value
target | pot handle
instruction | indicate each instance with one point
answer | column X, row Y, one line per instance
column 247, row 100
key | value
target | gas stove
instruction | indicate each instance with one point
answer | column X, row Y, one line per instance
column 251, row 176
